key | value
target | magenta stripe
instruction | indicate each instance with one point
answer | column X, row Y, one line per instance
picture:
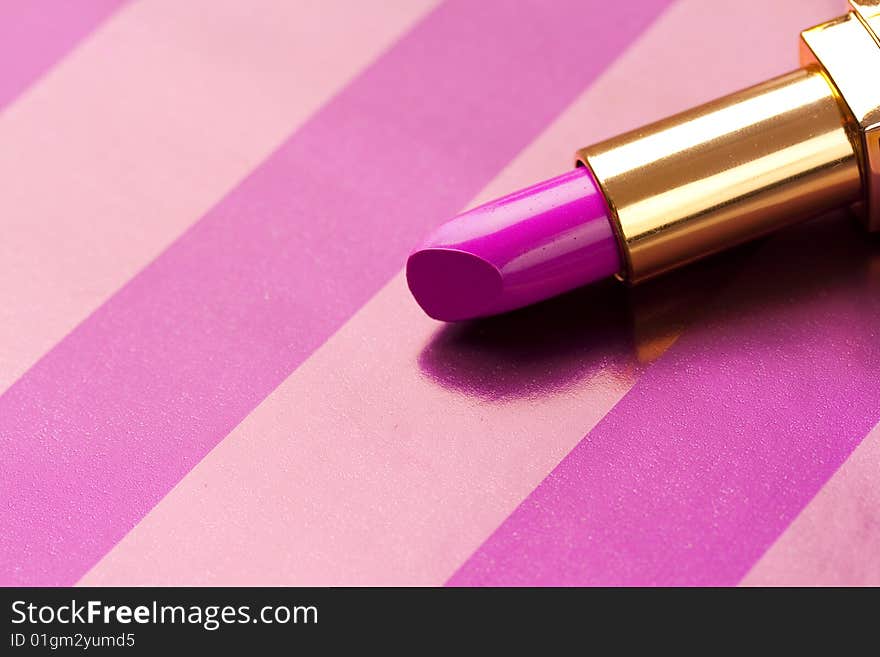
column 691, row 477
column 35, row 34
column 101, row 428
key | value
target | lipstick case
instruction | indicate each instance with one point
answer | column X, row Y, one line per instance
column 754, row 161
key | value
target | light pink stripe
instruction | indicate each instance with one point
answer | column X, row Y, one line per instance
column 131, row 138
column 363, row 469
column 835, row 541
column 35, row 34
column 383, row 460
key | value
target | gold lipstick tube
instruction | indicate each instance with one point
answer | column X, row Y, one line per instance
column 754, row 161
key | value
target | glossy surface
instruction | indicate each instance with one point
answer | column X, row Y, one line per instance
column 690, row 478
column 358, row 470
column 144, row 387
column 525, row 247
column 398, row 445
column 829, row 543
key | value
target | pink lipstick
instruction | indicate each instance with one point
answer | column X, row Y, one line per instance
column 516, row 250
column 678, row 190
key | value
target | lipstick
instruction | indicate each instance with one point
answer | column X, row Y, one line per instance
column 678, row 190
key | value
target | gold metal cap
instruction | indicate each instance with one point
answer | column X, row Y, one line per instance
column 848, row 49
column 754, row 161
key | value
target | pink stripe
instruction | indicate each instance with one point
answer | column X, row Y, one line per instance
column 121, row 194
column 396, row 449
column 722, row 442
column 835, row 541
column 140, row 391
column 35, row 34
column 328, row 482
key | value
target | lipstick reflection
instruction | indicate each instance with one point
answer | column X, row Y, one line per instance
column 609, row 331
column 536, row 351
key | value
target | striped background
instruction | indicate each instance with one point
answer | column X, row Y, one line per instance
column 211, row 371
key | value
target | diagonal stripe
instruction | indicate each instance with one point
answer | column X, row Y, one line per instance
column 142, row 129
column 396, row 449
column 835, row 541
column 211, row 89
column 330, row 482
column 35, row 34
column 722, row 441
column 125, row 405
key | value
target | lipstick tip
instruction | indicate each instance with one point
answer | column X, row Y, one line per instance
column 452, row 285
column 516, row 250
